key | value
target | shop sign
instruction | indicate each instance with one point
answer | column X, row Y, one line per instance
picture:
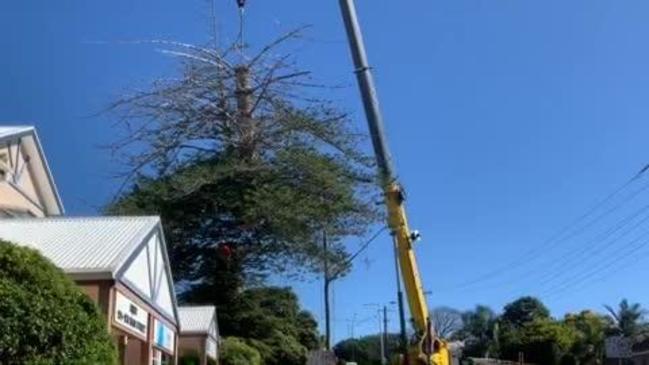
column 130, row 315
column 165, row 337
column 210, row 348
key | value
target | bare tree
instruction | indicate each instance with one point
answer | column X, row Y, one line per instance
column 240, row 151
column 446, row 321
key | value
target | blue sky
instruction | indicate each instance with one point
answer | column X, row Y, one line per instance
column 507, row 120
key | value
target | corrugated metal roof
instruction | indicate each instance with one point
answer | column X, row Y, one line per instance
column 196, row 319
column 81, row 245
column 7, row 131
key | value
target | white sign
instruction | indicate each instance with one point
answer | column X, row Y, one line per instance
column 130, row 315
column 165, row 337
column 618, row 347
column 210, row 348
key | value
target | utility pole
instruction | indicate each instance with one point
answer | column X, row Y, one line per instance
column 381, row 338
column 333, row 273
column 402, row 316
column 353, row 347
column 327, row 281
column 384, row 358
column 382, row 325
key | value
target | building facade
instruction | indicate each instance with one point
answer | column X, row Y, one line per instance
column 122, row 264
column 199, row 334
column 27, row 188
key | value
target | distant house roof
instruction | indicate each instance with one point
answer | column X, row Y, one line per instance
column 128, row 249
column 29, row 140
column 197, row 320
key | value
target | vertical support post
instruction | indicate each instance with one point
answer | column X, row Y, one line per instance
column 353, row 339
column 327, row 281
column 384, row 336
column 380, row 333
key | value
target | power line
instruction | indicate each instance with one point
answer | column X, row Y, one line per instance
column 580, row 256
column 583, row 254
column 363, row 247
column 569, row 231
column 607, row 274
column 633, row 247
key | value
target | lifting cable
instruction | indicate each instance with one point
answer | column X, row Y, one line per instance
column 241, row 4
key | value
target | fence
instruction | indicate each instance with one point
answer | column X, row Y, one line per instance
column 321, row 358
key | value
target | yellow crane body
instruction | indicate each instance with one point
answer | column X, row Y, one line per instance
column 424, row 348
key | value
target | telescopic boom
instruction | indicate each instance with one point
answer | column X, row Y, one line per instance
column 425, row 348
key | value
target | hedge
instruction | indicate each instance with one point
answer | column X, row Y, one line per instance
column 44, row 317
column 235, row 351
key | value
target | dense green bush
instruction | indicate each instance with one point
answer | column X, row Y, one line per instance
column 236, row 352
column 44, row 317
column 190, row 358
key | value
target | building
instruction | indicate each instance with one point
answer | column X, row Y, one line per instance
column 199, row 334
column 27, row 188
column 122, row 264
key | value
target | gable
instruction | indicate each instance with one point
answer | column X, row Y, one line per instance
column 146, row 273
column 213, row 332
column 26, row 186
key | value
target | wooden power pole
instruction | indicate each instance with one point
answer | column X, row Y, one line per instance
column 327, row 282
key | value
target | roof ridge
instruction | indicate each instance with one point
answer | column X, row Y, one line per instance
column 196, row 306
column 87, row 218
column 17, row 126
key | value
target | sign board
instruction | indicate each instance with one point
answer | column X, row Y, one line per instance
column 165, row 337
column 131, row 315
column 618, row 347
column 210, row 348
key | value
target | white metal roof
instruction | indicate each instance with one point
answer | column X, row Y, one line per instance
column 10, row 131
column 196, row 319
column 81, row 245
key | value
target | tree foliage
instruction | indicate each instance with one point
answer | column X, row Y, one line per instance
column 628, row 319
column 590, row 329
column 271, row 321
column 234, row 351
column 526, row 327
column 478, row 332
column 44, row 317
column 236, row 153
column 524, row 310
column 541, row 340
column 366, row 350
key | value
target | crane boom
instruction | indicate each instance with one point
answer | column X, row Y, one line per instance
column 426, row 348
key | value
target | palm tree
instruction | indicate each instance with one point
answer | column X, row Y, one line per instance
column 628, row 319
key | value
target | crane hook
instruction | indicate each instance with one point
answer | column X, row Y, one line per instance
column 241, row 3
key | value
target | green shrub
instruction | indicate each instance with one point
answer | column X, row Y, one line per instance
column 236, row 352
column 190, row 358
column 44, row 317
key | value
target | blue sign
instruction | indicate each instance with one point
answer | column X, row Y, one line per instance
column 164, row 336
